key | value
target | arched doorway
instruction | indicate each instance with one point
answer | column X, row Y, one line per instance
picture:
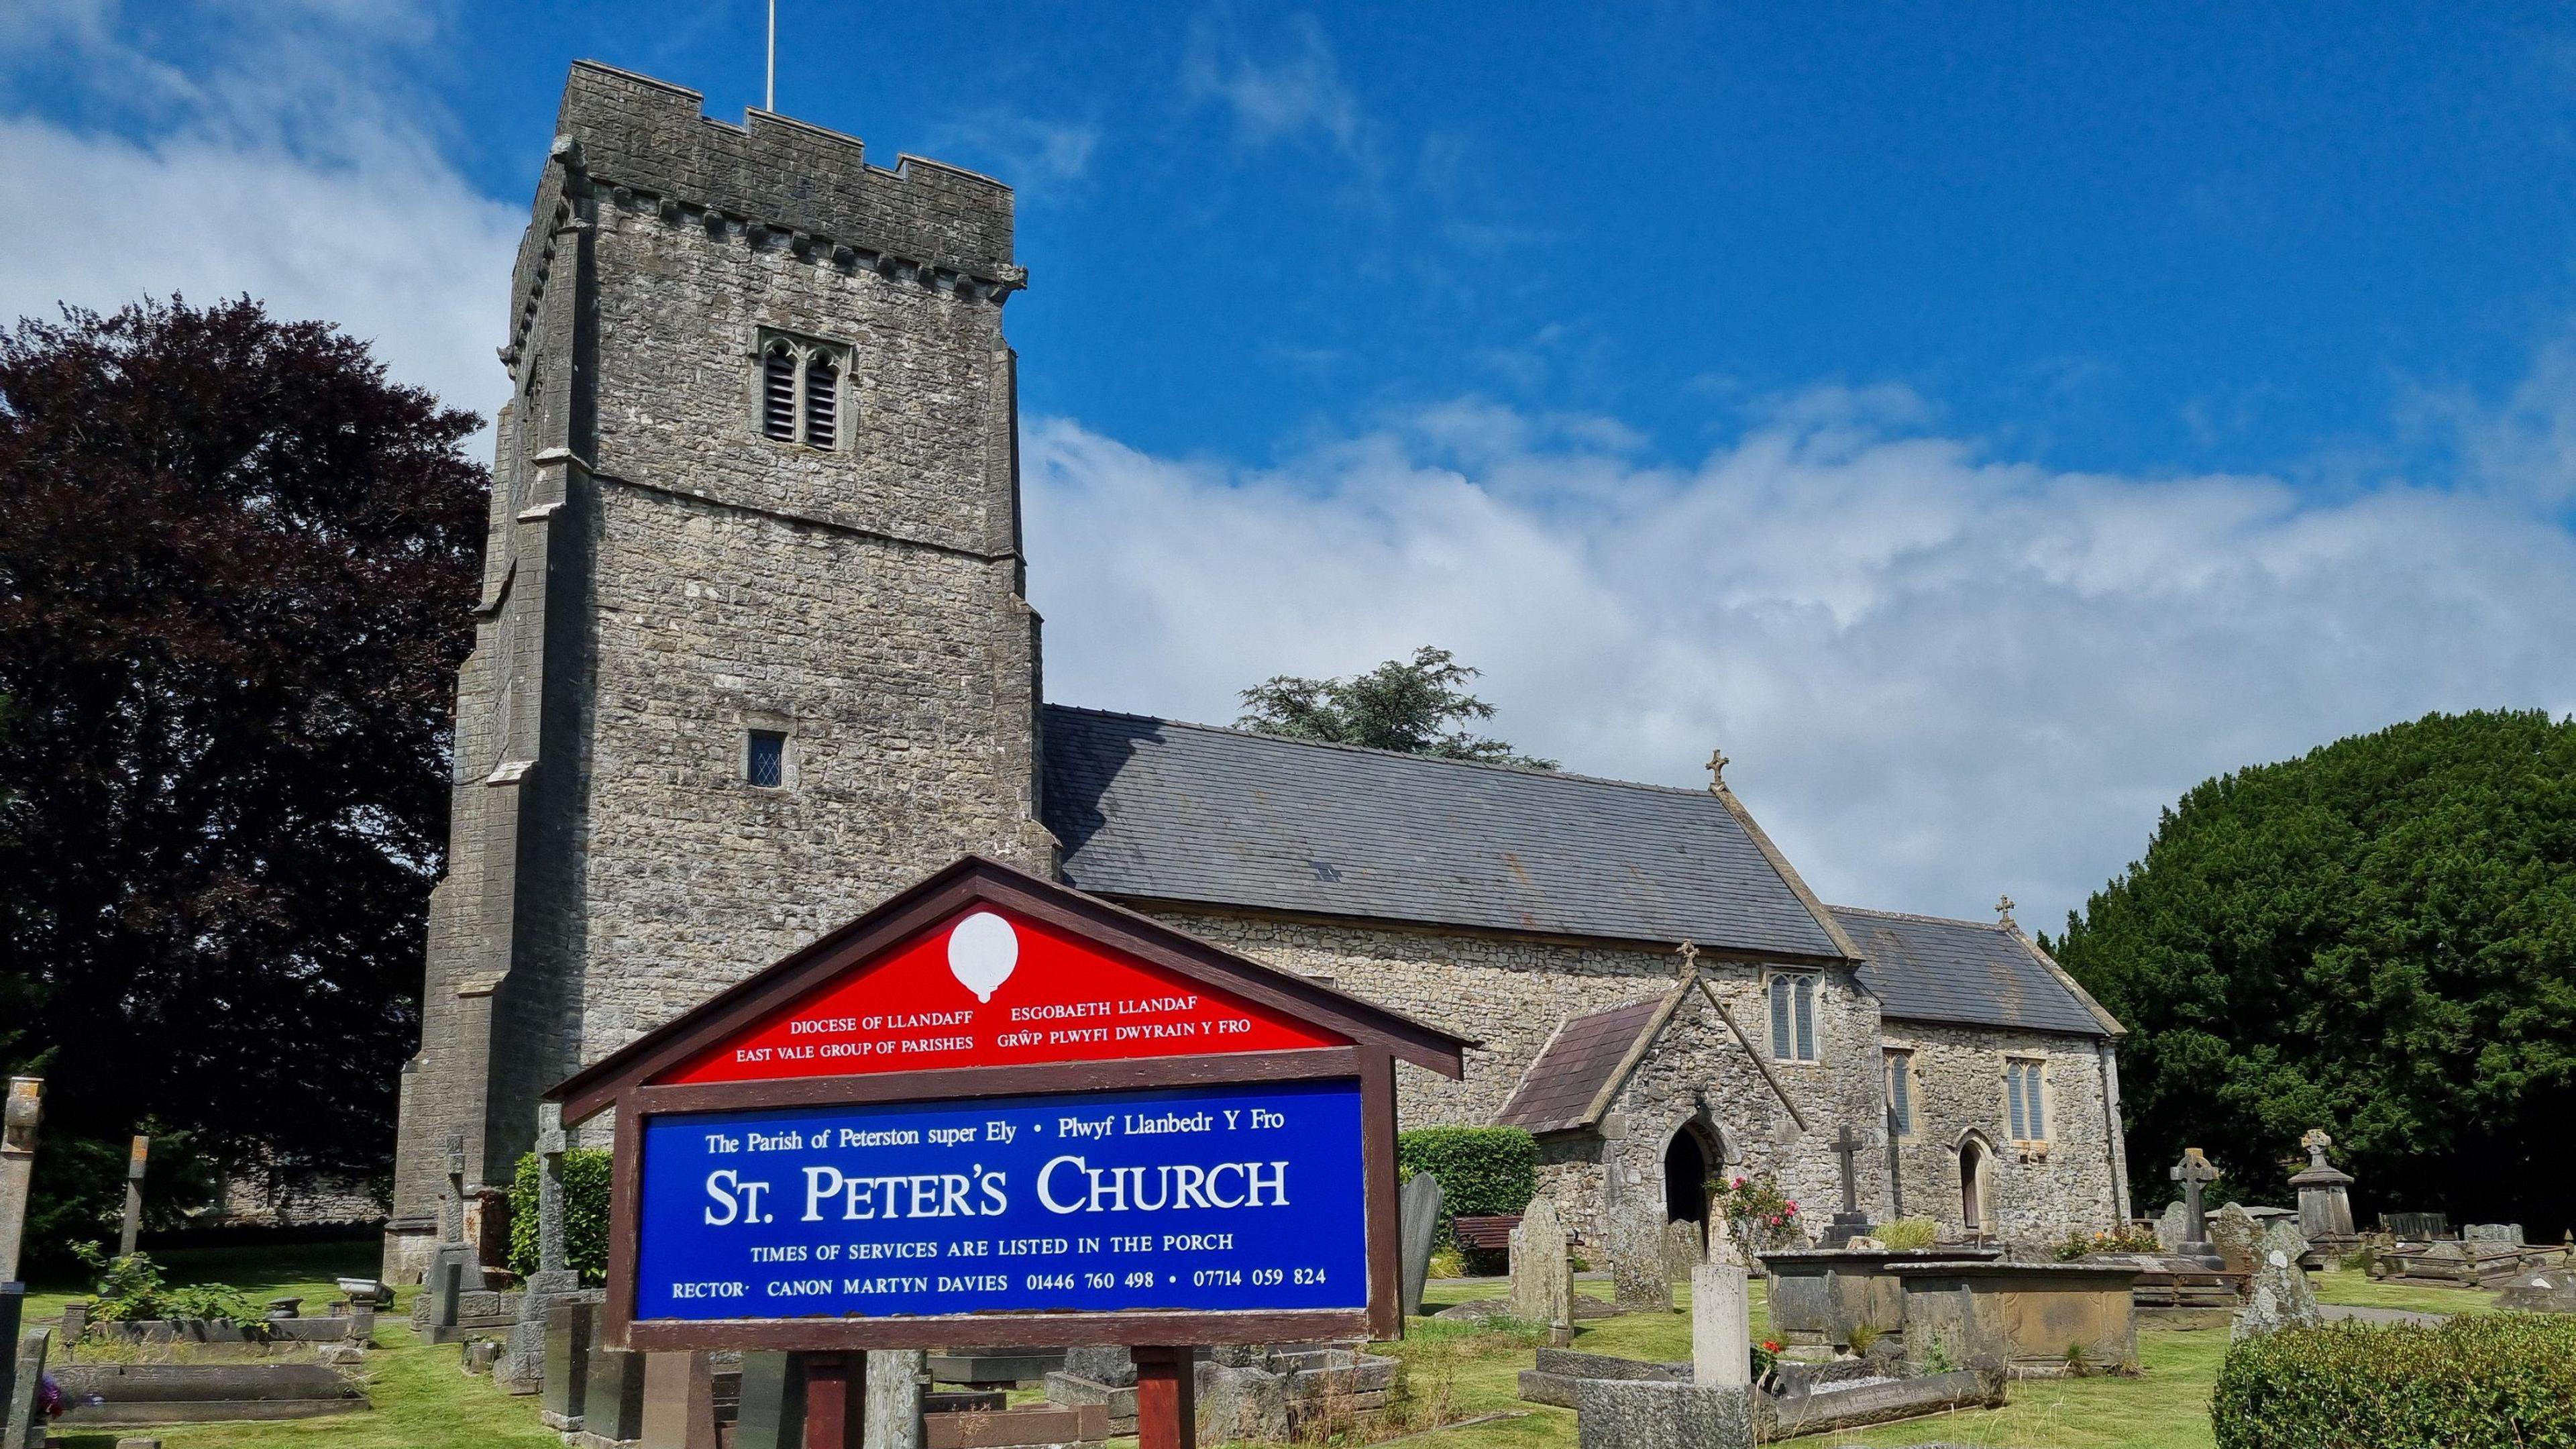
column 1972, row 1185
column 1687, row 1161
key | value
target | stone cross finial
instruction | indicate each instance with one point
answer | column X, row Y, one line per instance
column 2316, row 1141
column 1689, row 952
column 1717, row 763
column 2003, row 910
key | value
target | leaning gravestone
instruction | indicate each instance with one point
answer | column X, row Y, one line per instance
column 2232, row 1232
column 1418, row 1225
column 1542, row 1287
column 2282, row 1296
column 1633, row 1240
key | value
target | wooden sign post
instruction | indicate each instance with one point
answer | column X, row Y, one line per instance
column 998, row 1111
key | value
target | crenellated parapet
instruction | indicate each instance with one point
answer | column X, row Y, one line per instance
column 646, row 147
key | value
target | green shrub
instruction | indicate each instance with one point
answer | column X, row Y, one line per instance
column 1482, row 1170
column 2492, row 1381
column 1906, row 1235
column 585, row 1190
column 131, row 1289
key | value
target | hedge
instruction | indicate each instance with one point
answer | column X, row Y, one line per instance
column 2491, row 1381
column 585, row 1190
column 1482, row 1170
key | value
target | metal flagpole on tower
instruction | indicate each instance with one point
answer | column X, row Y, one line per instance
column 769, row 95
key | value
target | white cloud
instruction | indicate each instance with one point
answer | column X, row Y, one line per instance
column 1299, row 92
column 1939, row 677
column 304, row 180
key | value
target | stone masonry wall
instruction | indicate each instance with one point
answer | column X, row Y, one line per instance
column 2032, row 1196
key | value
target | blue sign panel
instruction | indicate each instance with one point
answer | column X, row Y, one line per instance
column 1229, row 1197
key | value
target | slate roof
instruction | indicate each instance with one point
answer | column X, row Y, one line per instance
column 1977, row 973
column 1557, row 1092
column 1151, row 808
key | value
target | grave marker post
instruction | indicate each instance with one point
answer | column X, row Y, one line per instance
column 133, row 1225
column 24, row 1109
column 1851, row 1222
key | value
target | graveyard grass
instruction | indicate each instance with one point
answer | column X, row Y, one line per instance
column 423, row 1401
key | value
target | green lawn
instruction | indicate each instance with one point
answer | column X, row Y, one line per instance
column 423, row 1401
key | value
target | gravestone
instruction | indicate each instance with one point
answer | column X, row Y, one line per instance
column 18, row 1118
column 1683, row 1250
column 891, row 1416
column 1542, row 1285
column 132, row 1227
column 571, row 1321
column 2282, row 1297
column 2325, row 1201
column 22, row 1424
column 769, row 1413
column 2510, row 1234
column 1417, row 1226
column 1721, row 1325
column 2194, row 1172
column 2174, row 1228
column 612, row 1411
column 522, row 1366
column 1724, row 1248
column 2542, row 1290
column 1633, row 1241
column 2232, row 1231
column 1851, row 1222
column 679, row 1401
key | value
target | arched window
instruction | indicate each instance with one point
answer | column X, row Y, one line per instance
column 778, row 392
column 822, row 401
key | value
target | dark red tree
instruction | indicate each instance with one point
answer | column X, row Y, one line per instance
column 236, row 567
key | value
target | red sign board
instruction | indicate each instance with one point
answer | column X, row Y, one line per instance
column 986, row 988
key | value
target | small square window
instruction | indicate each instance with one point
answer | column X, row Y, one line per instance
column 765, row 762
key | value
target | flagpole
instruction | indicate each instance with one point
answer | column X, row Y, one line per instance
column 769, row 100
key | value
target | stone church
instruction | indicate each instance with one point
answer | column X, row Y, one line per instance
column 753, row 652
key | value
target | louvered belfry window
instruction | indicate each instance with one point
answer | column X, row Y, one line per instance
column 822, row 401
column 800, row 390
column 778, row 393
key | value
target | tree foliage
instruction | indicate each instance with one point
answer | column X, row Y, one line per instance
column 235, row 567
column 1417, row 706
column 2378, row 939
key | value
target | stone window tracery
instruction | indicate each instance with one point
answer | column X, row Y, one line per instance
column 1900, row 1092
column 2025, row 1099
column 801, row 392
column 1793, row 1016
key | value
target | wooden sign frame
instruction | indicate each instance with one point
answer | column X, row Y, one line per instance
column 626, row 1082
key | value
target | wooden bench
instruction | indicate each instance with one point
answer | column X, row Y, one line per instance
column 1489, row 1234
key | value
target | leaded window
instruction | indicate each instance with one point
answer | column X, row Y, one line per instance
column 765, row 759
column 1900, row 1093
column 2026, row 1099
column 1793, row 1016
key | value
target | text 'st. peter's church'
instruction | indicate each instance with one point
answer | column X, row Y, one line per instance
column 753, row 653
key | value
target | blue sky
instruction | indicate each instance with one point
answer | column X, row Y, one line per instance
column 1984, row 421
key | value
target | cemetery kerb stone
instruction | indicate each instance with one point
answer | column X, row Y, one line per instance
column 887, row 1028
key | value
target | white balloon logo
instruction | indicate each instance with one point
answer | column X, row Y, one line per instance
column 981, row 952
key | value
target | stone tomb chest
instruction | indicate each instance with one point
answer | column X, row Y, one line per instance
column 2028, row 1318
column 1819, row 1295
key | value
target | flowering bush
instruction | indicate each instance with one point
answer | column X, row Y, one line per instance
column 2127, row 1238
column 1766, row 1357
column 1761, row 1215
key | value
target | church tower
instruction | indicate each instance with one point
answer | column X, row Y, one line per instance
column 752, row 651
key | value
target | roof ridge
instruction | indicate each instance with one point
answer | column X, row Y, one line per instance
column 1918, row 916
column 1530, row 770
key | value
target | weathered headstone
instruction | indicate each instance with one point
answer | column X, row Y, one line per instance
column 2232, row 1232
column 2282, row 1296
column 2509, row 1234
column 1542, row 1284
column 1683, row 1250
column 2174, row 1228
column 1723, row 1246
column 25, row 1108
column 132, row 1229
column 891, row 1417
column 1633, row 1241
column 522, row 1366
column 2542, row 1290
column 571, row 1320
column 1721, row 1325
column 22, row 1424
column 2325, row 1201
column 1417, row 1226
column 1646, row 1414
column 1238, row 1404
column 2195, row 1172
column 1851, row 1222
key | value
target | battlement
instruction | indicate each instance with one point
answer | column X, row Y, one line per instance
column 655, row 139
